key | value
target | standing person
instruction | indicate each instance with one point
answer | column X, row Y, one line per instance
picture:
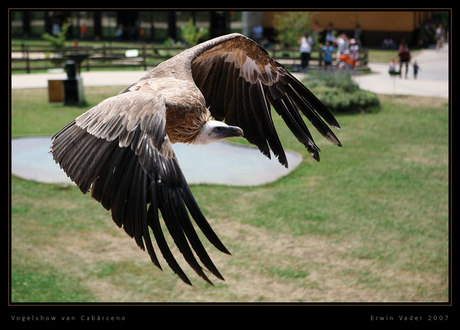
column 141, row 34
column 357, row 34
column 306, row 45
column 354, row 51
column 342, row 44
column 330, row 33
column 416, row 68
column 439, row 37
column 55, row 29
column 327, row 50
column 83, row 30
column 316, row 31
column 316, row 27
column 404, row 58
column 119, row 32
column 257, row 33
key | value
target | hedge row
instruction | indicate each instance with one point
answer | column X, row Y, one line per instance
column 341, row 94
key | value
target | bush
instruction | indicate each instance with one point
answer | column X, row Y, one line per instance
column 340, row 93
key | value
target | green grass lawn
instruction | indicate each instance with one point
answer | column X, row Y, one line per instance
column 367, row 223
column 382, row 55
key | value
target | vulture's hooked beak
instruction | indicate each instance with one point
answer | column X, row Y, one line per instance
column 234, row 131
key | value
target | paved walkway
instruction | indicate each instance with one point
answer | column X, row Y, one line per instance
column 432, row 80
column 90, row 79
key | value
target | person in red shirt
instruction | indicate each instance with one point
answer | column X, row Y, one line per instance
column 404, row 58
column 83, row 30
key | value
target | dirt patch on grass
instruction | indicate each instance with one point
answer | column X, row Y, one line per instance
column 331, row 274
column 263, row 267
column 414, row 101
column 266, row 266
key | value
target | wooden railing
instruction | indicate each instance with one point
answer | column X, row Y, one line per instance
column 29, row 58
column 291, row 56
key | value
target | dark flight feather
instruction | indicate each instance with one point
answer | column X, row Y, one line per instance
column 257, row 81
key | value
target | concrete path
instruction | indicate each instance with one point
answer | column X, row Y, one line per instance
column 90, row 79
column 432, row 80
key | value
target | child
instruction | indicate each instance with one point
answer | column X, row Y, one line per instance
column 345, row 60
column 416, row 68
column 392, row 66
column 354, row 51
column 328, row 50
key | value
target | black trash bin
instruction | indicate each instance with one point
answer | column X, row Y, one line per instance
column 73, row 86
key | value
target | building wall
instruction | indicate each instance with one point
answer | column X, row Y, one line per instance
column 375, row 25
column 394, row 21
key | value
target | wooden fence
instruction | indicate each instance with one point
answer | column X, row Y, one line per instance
column 28, row 58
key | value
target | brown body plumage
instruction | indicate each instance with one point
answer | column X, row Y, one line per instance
column 122, row 147
column 185, row 112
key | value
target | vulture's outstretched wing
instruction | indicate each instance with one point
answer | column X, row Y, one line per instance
column 239, row 81
column 121, row 148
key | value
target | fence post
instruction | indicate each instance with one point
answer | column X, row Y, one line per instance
column 366, row 54
column 87, row 59
column 320, row 57
column 144, row 54
column 26, row 53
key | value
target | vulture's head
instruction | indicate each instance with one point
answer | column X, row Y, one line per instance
column 214, row 130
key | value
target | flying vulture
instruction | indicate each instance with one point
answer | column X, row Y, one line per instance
column 122, row 147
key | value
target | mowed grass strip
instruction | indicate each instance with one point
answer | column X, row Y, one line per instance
column 367, row 223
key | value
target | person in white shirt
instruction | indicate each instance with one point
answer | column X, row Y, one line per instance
column 342, row 44
column 439, row 37
column 306, row 45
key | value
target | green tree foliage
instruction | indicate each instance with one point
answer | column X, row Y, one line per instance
column 290, row 26
column 191, row 34
column 59, row 40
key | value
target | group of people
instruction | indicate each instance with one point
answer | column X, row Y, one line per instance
column 404, row 59
column 347, row 51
